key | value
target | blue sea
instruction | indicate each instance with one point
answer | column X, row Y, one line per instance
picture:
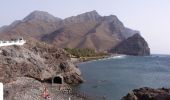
column 114, row 77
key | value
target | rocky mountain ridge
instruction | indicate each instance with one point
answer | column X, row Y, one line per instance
column 87, row 30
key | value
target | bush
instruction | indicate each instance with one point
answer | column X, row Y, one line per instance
column 86, row 52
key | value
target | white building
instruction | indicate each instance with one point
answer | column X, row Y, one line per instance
column 12, row 42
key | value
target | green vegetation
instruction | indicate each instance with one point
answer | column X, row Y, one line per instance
column 81, row 52
column 86, row 52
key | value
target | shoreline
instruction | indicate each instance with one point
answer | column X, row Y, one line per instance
column 95, row 58
column 86, row 59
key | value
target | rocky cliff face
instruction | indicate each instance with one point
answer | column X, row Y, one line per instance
column 39, row 61
column 148, row 94
column 135, row 45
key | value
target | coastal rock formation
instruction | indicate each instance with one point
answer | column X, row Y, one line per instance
column 148, row 94
column 37, row 60
column 135, row 45
column 87, row 30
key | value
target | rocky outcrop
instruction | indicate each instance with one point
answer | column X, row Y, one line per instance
column 135, row 45
column 148, row 94
column 39, row 61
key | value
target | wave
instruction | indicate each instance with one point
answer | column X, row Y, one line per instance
column 113, row 57
column 107, row 58
column 159, row 56
column 117, row 57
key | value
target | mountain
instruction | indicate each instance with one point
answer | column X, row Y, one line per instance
column 87, row 30
column 41, row 16
column 34, row 25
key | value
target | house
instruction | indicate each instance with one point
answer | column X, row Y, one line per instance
column 20, row 41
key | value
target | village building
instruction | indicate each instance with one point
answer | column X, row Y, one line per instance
column 20, row 41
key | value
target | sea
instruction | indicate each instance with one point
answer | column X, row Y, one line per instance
column 112, row 78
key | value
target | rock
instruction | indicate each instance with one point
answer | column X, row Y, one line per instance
column 135, row 45
column 38, row 61
column 73, row 78
column 148, row 94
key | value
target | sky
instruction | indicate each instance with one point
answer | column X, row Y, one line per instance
column 150, row 17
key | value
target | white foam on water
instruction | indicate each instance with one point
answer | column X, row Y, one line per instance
column 113, row 57
column 107, row 58
column 117, row 57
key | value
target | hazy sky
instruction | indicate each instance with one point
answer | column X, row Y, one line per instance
column 150, row 17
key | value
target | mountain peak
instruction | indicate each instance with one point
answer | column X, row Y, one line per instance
column 41, row 15
column 93, row 12
column 88, row 16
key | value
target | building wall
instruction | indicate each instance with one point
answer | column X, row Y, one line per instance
column 8, row 43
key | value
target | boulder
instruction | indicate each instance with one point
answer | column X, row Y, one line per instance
column 147, row 93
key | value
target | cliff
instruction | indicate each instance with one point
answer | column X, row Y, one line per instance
column 135, row 45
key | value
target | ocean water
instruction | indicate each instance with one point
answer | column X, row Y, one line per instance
column 114, row 77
